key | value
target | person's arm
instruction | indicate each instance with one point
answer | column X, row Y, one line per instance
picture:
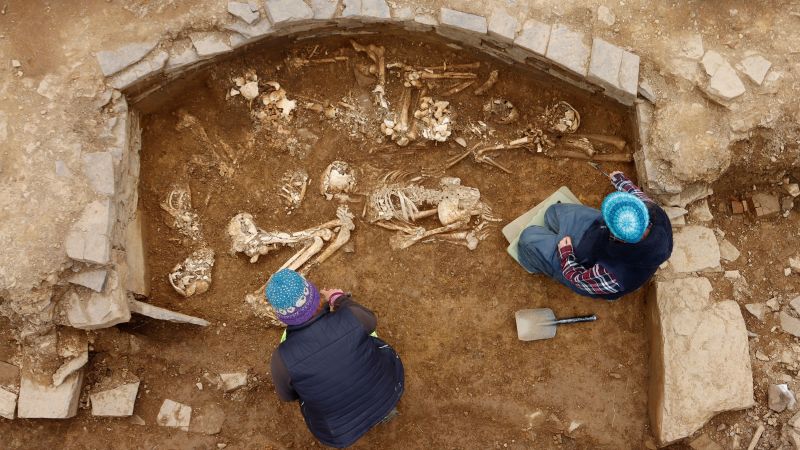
column 623, row 184
column 594, row 280
column 281, row 379
column 340, row 300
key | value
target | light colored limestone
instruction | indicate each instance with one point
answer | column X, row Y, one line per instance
column 243, row 11
column 534, row 36
column 116, row 402
column 89, row 238
column 142, row 70
column 463, row 21
column 502, row 25
column 93, row 279
column 568, row 49
column 99, row 169
column 695, row 249
column 756, row 68
column 233, row 381
column 175, row 415
column 112, row 61
column 44, row 401
column 700, row 362
column 210, row 43
column 284, row 11
column 155, row 312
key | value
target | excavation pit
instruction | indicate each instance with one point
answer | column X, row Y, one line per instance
column 448, row 310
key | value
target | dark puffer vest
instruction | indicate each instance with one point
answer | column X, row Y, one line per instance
column 347, row 381
column 631, row 264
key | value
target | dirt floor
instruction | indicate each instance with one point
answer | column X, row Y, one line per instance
column 447, row 310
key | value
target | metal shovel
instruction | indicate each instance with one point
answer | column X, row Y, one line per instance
column 541, row 323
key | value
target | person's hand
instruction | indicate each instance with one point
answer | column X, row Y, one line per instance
column 564, row 242
column 612, row 174
column 326, row 293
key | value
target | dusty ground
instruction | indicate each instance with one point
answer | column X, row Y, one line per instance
column 438, row 304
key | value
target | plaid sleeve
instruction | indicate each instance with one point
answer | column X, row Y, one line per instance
column 624, row 184
column 594, row 280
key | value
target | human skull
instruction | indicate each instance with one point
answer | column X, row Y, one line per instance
column 338, row 178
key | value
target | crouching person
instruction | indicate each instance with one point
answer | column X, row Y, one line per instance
column 330, row 359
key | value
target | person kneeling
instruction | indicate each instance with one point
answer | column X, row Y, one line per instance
column 601, row 254
column 330, row 359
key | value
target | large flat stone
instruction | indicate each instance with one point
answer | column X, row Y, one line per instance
column 725, row 85
column 98, row 310
column 182, row 54
column 44, row 401
column 502, row 25
column 324, row 9
column 251, row 32
column 210, row 43
column 89, row 238
column 112, row 61
column 137, row 276
column 243, row 11
column 615, row 70
column 94, row 279
column 700, row 362
column 140, row 71
column 367, row 9
column 207, row 419
column 756, row 68
column 568, row 49
column 99, row 170
column 116, row 402
column 695, row 249
column 534, row 36
column 463, row 21
column 284, row 11
column 8, row 404
column 155, row 312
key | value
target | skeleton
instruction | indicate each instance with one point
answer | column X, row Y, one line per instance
column 178, row 204
column 396, row 206
column 503, row 111
column 293, row 190
column 254, row 242
column 338, row 180
column 193, row 275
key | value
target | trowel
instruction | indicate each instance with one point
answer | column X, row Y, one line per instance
column 541, row 323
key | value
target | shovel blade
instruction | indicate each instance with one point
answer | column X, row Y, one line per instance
column 535, row 324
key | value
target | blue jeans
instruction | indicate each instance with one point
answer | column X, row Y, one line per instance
column 538, row 246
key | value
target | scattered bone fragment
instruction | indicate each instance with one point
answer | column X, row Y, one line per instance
column 178, row 204
column 562, row 118
column 296, row 62
column 488, row 84
column 293, row 188
column 458, row 87
column 400, row 131
column 500, row 110
column 338, row 180
column 435, row 118
column 193, row 275
column 249, row 90
column 276, row 103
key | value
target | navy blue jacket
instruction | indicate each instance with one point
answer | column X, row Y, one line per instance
column 347, row 380
column 631, row 264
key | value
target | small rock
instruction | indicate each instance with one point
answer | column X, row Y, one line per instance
column 136, row 420
column 117, row 402
column 208, row 419
column 725, row 84
column 774, row 304
column 759, row 310
column 766, row 204
column 792, row 189
column 175, row 415
column 727, row 251
column 790, row 324
column 794, row 264
column 756, row 68
column 43, row 401
column 461, row 141
column 738, row 207
column 700, row 212
column 8, row 404
column 692, row 46
column 573, row 426
column 732, row 274
column 233, row 381
column 605, row 15
column 781, row 398
column 795, row 303
column 787, row 271
column 16, row 64
column 787, row 204
column 243, row 11
column 199, row 386
column 712, row 61
column 761, row 356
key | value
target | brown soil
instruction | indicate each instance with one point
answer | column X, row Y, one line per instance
column 448, row 311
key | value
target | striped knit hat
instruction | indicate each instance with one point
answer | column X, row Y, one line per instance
column 294, row 299
column 626, row 216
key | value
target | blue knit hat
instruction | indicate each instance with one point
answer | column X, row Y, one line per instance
column 294, row 299
column 626, row 216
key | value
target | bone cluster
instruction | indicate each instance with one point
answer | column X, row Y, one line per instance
column 434, row 115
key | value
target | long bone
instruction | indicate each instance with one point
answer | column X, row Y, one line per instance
column 247, row 238
column 403, row 241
